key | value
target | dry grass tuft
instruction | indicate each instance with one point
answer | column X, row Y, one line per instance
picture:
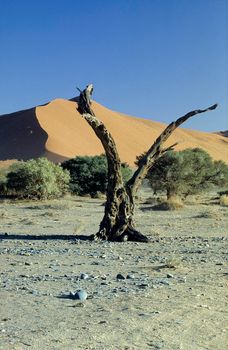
column 223, row 200
column 172, row 204
column 79, row 227
column 173, row 262
column 175, row 203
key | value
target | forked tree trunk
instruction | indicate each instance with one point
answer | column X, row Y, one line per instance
column 117, row 223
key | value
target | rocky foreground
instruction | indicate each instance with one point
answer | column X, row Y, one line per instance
column 168, row 294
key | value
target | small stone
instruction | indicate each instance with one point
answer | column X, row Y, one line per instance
column 204, row 306
column 79, row 295
column 34, row 292
column 104, row 283
column 84, row 276
column 169, row 275
column 143, row 285
column 130, row 276
column 119, row 276
column 166, row 283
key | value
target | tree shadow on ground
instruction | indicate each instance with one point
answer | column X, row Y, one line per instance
column 6, row 236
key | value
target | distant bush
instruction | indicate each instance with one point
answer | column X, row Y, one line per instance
column 186, row 172
column 37, row 179
column 89, row 175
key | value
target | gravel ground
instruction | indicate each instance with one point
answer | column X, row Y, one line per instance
column 168, row 294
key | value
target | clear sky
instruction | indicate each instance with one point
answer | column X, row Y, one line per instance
column 155, row 59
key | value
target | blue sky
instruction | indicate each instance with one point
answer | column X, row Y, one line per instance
column 155, row 59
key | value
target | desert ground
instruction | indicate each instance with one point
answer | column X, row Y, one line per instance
column 172, row 292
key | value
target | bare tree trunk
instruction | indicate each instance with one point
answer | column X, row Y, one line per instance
column 117, row 223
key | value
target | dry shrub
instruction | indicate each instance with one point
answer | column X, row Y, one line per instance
column 173, row 203
column 173, row 262
column 223, row 200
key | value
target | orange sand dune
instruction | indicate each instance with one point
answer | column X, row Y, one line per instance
column 57, row 131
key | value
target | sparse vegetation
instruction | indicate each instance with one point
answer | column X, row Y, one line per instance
column 37, row 179
column 89, row 175
column 173, row 203
column 172, row 262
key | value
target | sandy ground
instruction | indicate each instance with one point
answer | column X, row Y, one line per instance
column 174, row 295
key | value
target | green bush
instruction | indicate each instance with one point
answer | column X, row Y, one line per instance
column 186, row 172
column 37, row 179
column 89, row 174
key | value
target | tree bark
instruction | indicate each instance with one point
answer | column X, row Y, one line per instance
column 117, row 223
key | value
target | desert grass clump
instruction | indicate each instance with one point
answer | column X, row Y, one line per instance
column 173, row 203
column 223, row 200
column 172, row 262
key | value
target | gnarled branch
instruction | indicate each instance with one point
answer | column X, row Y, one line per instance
column 117, row 223
column 155, row 150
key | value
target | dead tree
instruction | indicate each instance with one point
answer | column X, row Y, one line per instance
column 117, row 223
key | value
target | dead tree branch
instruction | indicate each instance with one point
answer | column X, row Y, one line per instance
column 155, row 150
column 117, row 223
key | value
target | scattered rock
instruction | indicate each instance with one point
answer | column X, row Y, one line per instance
column 143, row 285
column 119, row 276
column 84, row 276
column 79, row 295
